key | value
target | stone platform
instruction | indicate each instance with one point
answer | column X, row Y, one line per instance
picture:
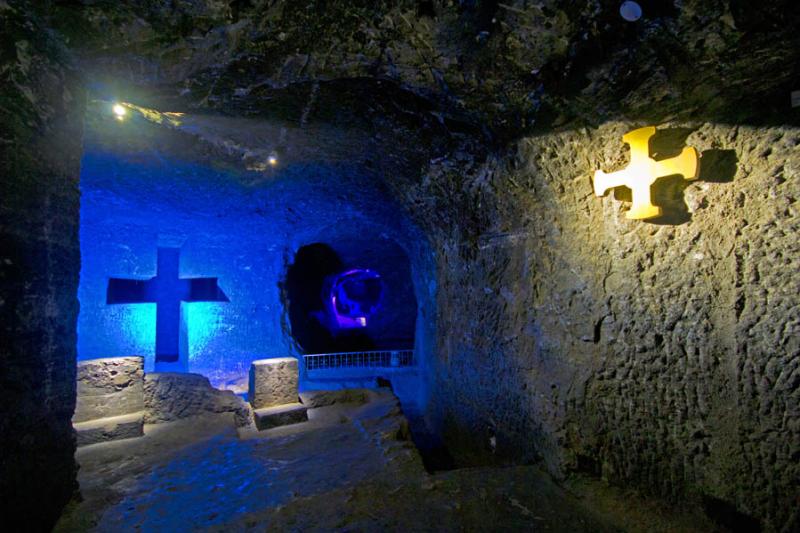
column 110, row 400
column 273, row 393
column 350, row 468
column 116, row 398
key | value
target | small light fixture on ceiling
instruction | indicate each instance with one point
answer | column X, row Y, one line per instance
column 272, row 159
column 630, row 11
column 119, row 111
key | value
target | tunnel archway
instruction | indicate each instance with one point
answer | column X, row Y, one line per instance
column 304, row 281
column 375, row 271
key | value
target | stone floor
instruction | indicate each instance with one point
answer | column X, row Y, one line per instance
column 350, row 468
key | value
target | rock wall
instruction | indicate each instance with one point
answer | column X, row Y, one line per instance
column 171, row 396
column 241, row 227
column 41, row 108
column 660, row 354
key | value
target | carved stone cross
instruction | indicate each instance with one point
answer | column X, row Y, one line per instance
column 167, row 290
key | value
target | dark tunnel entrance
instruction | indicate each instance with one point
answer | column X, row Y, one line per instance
column 350, row 296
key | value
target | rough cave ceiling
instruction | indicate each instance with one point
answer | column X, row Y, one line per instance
column 509, row 66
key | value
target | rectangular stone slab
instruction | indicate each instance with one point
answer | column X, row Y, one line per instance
column 109, row 387
column 111, row 428
column 282, row 415
column 273, row 382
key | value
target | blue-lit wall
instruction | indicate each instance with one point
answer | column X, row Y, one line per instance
column 129, row 208
column 243, row 235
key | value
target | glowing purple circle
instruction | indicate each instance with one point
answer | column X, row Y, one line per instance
column 353, row 296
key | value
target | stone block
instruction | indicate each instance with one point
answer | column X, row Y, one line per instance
column 171, row 396
column 282, row 415
column 111, row 428
column 109, row 387
column 273, row 382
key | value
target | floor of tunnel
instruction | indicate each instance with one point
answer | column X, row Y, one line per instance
column 350, row 468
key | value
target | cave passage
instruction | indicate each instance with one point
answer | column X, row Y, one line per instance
column 337, row 305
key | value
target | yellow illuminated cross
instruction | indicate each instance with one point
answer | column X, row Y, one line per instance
column 643, row 171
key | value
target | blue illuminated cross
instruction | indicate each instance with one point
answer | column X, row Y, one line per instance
column 167, row 290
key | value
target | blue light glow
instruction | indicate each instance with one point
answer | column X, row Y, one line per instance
column 132, row 204
column 121, row 231
column 167, row 289
column 204, row 320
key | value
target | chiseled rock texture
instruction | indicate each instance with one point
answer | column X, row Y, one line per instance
column 324, row 398
column 663, row 354
column 109, row 387
column 273, row 382
column 171, row 396
column 41, row 123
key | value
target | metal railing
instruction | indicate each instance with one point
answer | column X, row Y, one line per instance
column 373, row 359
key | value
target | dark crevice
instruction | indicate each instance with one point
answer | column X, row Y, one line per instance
column 598, row 329
column 726, row 515
column 425, row 8
column 435, row 455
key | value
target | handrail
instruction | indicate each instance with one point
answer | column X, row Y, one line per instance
column 366, row 359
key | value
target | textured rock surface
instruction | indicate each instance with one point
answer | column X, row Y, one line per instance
column 511, row 64
column 662, row 354
column 109, row 387
column 41, row 122
column 273, row 382
column 110, row 428
column 197, row 474
column 171, row 396
column 322, row 398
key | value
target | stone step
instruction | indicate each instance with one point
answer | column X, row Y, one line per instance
column 110, row 428
column 280, row 415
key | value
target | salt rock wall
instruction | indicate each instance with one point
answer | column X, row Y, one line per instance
column 41, row 108
column 170, row 396
column 662, row 354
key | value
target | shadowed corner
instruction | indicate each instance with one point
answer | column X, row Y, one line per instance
column 715, row 166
